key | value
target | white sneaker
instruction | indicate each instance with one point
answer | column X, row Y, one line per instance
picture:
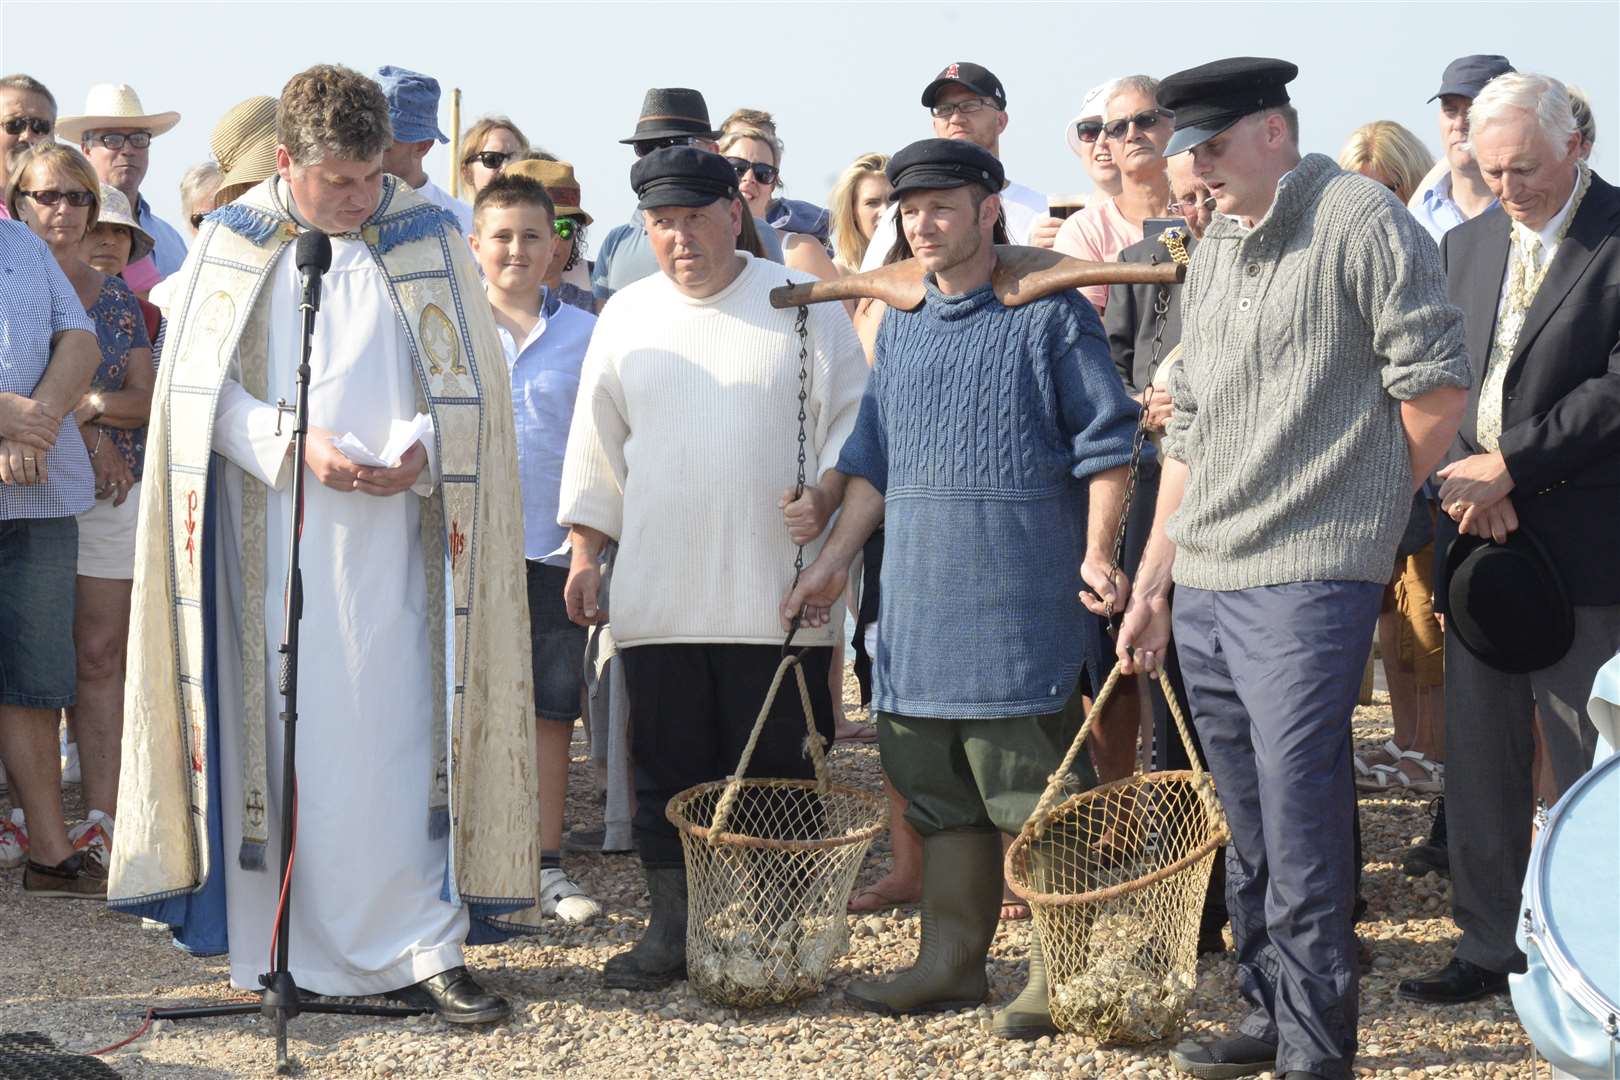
column 13, row 840
column 70, row 763
column 561, row 896
column 94, row 834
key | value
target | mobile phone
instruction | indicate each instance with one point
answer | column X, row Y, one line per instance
column 1154, row 226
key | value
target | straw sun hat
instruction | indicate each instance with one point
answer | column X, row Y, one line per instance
column 113, row 105
column 557, row 177
column 244, row 142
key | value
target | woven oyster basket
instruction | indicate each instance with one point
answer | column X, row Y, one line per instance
column 1115, row 879
column 769, row 867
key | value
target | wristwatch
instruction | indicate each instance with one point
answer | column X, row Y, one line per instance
column 98, row 403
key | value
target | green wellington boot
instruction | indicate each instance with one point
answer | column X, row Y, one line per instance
column 1029, row 1015
column 659, row 958
column 961, row 902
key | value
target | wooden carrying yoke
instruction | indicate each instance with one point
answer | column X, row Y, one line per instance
column 1022, row 274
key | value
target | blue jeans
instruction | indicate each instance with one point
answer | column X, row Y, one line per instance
column 1272, row 675
column 38, row 565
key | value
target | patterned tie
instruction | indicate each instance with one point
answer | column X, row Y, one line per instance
column 1523, row 281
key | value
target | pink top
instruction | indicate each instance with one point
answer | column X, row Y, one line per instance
column 1098, row 233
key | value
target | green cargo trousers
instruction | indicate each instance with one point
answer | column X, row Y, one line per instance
column 978, row 774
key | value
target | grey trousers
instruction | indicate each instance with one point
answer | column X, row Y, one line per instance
column 1490, row 794
column 1272, row 675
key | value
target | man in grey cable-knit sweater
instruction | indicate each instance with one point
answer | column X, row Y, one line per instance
column 1323, row 374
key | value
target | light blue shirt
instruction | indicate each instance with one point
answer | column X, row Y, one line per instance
column 37, row 302
column 169, row 249
column 545, row 382
column 1435, row 209
column 626, row 257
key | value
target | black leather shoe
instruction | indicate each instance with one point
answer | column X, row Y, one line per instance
column 456, row 997
column 1457, row 982
column 1225, row 1059
column 1301, row 1074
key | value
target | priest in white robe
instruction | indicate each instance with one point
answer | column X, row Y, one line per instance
column 415, row 805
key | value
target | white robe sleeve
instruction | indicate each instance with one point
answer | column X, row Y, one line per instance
column 245, row 432
column 428, row 478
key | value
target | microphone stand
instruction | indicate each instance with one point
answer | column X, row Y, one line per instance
column 282, row 1000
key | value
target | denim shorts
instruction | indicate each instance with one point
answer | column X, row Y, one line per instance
column 556, row 646
column 38, row 565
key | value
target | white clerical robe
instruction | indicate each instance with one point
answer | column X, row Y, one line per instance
column 367, row 879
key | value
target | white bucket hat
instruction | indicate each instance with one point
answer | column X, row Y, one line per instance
column 113, row 105
column 1090, row 109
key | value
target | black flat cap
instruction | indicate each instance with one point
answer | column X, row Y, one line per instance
column 1212, row 97
column 978, row 79
column 672, row 111
column 933, row 164
column 1466, row 76
column 682, row 176
column 1508, row 604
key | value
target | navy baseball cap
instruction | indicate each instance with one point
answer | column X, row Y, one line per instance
column 1466, row 76
column 932, row 164
column 1212, row 97
column 682, row 176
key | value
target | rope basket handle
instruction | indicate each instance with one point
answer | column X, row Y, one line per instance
column 818, row 755
column 1056, row 782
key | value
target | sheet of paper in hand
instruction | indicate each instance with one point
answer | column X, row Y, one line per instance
column 401, row 435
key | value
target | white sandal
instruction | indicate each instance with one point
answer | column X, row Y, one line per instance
column 1367, row 766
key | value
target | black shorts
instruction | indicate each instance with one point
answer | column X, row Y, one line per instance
column 556, row 646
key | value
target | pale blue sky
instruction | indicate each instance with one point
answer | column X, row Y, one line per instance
column 841, row 78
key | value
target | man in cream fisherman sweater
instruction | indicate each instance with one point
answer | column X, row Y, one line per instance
column 684, row 439
column 993, row 443
column 1323, row 374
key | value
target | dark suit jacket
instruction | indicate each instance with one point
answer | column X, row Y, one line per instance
column 1561, row 399
column 1128, row 318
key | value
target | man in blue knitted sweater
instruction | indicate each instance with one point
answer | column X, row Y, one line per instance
column 992, row 443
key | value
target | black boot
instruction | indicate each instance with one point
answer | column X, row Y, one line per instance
column 659, row 958
column 1432, row 856
column 1225, row 1059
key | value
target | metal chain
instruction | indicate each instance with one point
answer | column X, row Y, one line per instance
column 1172, row 240
column 801, row 326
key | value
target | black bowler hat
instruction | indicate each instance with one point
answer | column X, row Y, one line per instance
column 671, row 112
column 682, row 176
column 1466, row 76
column 1212, row 97
column 1507, row 603
column 933, row 164
column 978, row 79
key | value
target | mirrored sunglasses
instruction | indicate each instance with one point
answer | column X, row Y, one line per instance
column 567, row 228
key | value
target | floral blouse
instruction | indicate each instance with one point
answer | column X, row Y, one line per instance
column 120, row 327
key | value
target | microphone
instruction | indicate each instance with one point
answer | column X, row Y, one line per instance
column 313, row 258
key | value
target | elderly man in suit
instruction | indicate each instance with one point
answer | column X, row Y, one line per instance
column 1539, row 450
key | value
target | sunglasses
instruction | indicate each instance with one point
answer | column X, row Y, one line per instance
column 967, row 108
column 765, row 174
column 647, row 146
column 567, row 228
column 114, row 140
column 1144, row 121
column 52, row 197
column 1088, row 130
column 489, row 159
column 37, row 124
